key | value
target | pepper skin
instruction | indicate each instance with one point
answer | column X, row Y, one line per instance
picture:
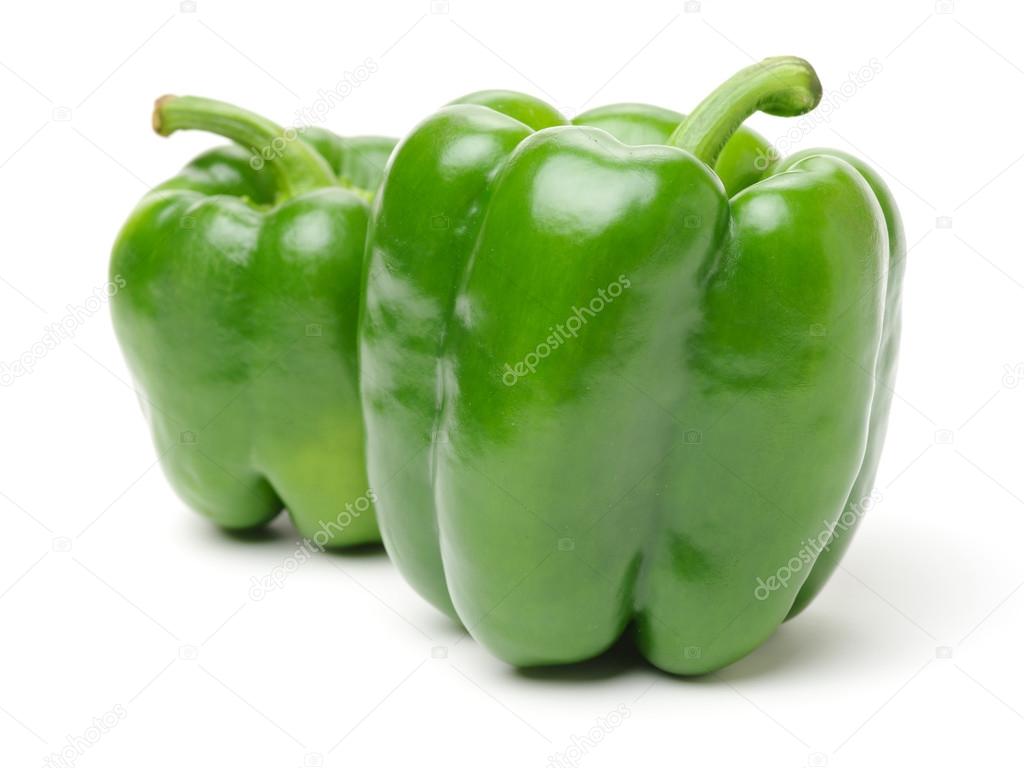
column 601, row 395
column 238, row 321
column 743, row 159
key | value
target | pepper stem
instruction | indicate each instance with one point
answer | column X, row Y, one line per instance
column 297, row 166
column 784, row 85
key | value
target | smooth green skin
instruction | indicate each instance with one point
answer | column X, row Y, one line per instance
column 741, row 163
column 238, row 321
column 885, row 380
column 699, row 429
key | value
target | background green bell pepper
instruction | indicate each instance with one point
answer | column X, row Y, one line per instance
column 599, row 393
column 238, row 321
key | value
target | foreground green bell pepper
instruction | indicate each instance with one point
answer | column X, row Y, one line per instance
column 600, row 394
column 238, row 321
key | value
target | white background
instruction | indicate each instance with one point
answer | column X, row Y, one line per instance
column 114, row 597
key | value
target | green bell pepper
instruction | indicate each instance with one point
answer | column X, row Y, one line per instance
column 600, row 394
column 238, row 321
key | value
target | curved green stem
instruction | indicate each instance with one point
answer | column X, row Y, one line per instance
column 784, row 85
column 297, row 166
